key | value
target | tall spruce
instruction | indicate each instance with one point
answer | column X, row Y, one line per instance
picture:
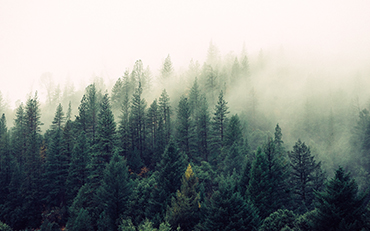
column 228, row 210
column 304, row 167
column 219, row 121
column 185, row 134
column 165, row 112
column 137, row 122
column 268, row 187
column 114, row 193
column 340, row 206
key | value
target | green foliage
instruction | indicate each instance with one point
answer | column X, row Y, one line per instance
column 184, row 210
column 228, row 210
column 268, row 180
column 114, row 193
column 185, row 130
column 233, row 133
column 339, row 205
column 303, row 177
column 278, row 220
column 4, row 227
column 220, row 115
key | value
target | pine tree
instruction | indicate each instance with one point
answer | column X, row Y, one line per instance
column 137, row 122
column 203, row 124
column 303, row 167
column 233, row 133
column 268, row 180
column 113, row 195
column 6, row 161
column 167, row 70
column 185, row 133
column 58, row 118
column 165, row 112
column 194, row 98
column 228, row 210
column 124, row 127
column 33, row 164
column 340, row 207
column 18, row 135
column 235, row 71
column 184, row 210
column 170, row 171
column 153, row 123
column 219, row 123
column 78, row 172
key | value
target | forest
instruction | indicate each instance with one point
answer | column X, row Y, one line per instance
column 237, row 143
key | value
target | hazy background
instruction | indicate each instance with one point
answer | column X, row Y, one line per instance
column 79, row 40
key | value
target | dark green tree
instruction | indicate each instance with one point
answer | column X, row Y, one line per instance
column 114, row 193
column 303, row 169
column 137, row 123
column 228, row 210
column 78, row 172
column 268, row 186
column 219, row 123
column 18, row 135
column 202, row 128
column 124, row 127
column 170, row 171
column 185, row 131
column 340, row 207
column 33, row 165
column 233, row 132
column 165, row 112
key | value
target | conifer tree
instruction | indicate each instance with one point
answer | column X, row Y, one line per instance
column 18, row 135
column 165, row 112
column 233, row 133
column 194, row 98
column 114, row 193
column 167, row 70
column 220, row 115
column 78, row 172
column 203, row 124
column 6, row 161
column 267, row 185
column 303, row 167
column 340, row 207
column 33, row 164
column 228, row 210
column 185, row 133
column 137, row 122
column 184, row 210
column 154, row 146
column 124, row 127
column 170, row 171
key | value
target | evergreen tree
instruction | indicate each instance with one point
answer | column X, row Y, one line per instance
column 268, row 189
column 78, row 172
column 303, row 167
column 165, row 112
column 154, row 146
column 167, row 70
column 339, row 205
column 58, row 118
column 124, row 127
column 114, row 193
column 18, row 135
column 235, row 71
column 281, row 219
column 137, row 123
column 170, row 171
column 233, row 133
column 227, row 210
column 33, row 165
column 184, row 210
column 219, row 123
column 185, row 133
column 194, row 98
column 203, row 128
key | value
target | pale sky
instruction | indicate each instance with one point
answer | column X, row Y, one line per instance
column 80, row 38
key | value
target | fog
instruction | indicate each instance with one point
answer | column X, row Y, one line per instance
column 308, row 60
